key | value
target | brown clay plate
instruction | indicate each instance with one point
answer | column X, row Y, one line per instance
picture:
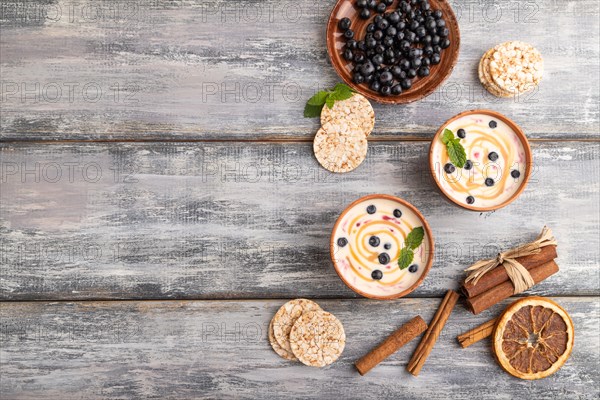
column 421, row 87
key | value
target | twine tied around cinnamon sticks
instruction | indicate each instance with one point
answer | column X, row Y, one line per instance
column 518, row 274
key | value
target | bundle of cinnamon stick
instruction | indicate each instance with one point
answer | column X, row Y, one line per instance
column 496, row 286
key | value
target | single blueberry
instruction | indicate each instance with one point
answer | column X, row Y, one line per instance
column 461, row 133
column 515, row 173
column 377, row 274
column 394, row 18
column 397, row 213
column 374, row 241
column 468, row 165
column 342, row 242
column 449, row 168
column 387, row 246
column 384, row 258
column 493, row 124
column 396, row 89
column 413, row 268
column 489, row 182
column 493, row 156
column 371, row 209
column 470, row 200
column 344, row 24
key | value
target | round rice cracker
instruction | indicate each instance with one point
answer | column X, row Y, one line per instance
column 281, row 352
column 317, row 338
column 284, row 319
column 355, row 111
column 516, row 66
column 339, row 147
column 486, row 79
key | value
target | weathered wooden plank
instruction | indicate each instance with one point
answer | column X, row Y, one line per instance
column 250, row 220
column 213, row 349
column 215, row 69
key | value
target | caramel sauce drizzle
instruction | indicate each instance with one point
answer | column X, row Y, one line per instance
column 487, row 143
column 361, row 253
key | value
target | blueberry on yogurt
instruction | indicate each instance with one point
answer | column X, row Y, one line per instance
column 383, row 258
column 449, row 168
column 387, row 246
column 374, row 241
column 515, row 173
column 371, row 209
column 377, row 275
column 413, row 268
column 342, row 242
column 397, row 213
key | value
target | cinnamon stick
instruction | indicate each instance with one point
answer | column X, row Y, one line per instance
column 476, row 334
column 498, row 275
column 433, row 332
column 504, row 290
column 391, row 344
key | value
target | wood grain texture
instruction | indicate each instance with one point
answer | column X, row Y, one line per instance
column 197, row 69
column 216, row 349
column 250, row 220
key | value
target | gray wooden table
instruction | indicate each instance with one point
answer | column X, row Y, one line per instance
column 159, row 200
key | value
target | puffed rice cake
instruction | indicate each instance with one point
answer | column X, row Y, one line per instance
column 511, row 68
column 340, row 147
column 317, row 338
column 355, row 111
column 286, row 316
column 283, row 353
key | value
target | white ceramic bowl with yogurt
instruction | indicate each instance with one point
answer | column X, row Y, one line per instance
column 498, row 164
column 366, row 242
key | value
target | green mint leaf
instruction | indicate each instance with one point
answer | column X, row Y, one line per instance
column 314, row 105
column 330, row 101
column 318, row 99
column 342, row 86
column 447, row 136
column 457, row 153
column 311, row 111
column 415, row 238
column 341, row 92
column 405, row 258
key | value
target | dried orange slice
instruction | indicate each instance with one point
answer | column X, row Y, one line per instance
column 533, row 338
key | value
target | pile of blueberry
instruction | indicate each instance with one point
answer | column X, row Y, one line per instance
column 398, row 44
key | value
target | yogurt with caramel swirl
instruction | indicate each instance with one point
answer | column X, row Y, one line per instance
column 366, row 243
column 498, row 161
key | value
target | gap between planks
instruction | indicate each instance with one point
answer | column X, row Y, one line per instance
column 249, row 299
column 259, row 141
